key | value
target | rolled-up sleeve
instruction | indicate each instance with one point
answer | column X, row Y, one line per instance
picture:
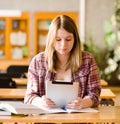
column 35, row 85
column 94, row 87
column 88, row 77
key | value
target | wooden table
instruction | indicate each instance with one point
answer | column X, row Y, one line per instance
column 26, row 74
column 20, row 81
column 23, row 81
column 106, row 97
column 106, row 114
column 4, row 64
column 12, row 93
column 20, row 92
column 107, row 94
column 103, row 83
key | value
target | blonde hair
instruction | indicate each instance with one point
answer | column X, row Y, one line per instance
column 75, row 59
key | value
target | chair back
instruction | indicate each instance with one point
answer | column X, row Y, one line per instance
column 17, row 69
column 12, row 75
column 7, row 83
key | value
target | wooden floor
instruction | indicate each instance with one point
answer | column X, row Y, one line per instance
column 116, row 90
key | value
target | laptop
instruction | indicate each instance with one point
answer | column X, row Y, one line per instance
column 62, row 92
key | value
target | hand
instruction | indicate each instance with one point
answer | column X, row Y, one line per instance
column 43, row 102
column 75, row 104
column 46, row 102
column 80, row 103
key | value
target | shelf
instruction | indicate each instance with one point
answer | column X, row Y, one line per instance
column 14, row 37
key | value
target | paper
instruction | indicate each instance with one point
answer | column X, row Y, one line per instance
column 8, row 108
column 20, row 108
column 2, row 113
column 66, row 110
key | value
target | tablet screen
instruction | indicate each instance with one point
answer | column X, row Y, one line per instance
column 62, row 92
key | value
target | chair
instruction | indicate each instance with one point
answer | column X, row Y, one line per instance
column 12, row 75
column 17, row 71
column 17, row 68
column 7, row 83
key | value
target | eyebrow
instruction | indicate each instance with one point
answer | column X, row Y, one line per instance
column 66, row 37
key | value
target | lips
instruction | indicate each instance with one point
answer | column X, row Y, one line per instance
column 64, row 49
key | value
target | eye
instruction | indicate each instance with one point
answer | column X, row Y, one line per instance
column 68, row 39
column 58, row 39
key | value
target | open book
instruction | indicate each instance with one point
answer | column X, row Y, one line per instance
column 8, row 108
column 66, row 110
column 16, row 107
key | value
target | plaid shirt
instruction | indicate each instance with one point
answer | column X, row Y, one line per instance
column 87, row 76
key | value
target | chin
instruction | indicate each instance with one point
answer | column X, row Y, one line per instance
column 64, row 53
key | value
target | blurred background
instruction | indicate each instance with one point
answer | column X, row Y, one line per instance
column 24, row 25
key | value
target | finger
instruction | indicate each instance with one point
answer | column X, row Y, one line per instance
column 74, row 105
column 74, row 102
column 79, row 98
column 78, row 107
column 46, row 102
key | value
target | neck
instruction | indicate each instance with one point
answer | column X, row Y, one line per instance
column 62, row 62
column 62, row 59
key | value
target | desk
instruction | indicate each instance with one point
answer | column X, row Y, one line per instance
column 4, row 64
column 103, row 83
column 105, row 114
column 12, row 93
column 20, row 81
column 107, row 97
column 107, row 94
column 26, row 74
column 19, row 93
column 23, row 81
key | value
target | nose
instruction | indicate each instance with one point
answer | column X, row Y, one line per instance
column 63, row 43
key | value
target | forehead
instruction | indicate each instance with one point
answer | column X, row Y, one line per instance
column 62, row 32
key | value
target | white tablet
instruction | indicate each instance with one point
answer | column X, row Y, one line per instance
column 62, row 92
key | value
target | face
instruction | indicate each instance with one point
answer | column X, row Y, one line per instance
column 64, row 42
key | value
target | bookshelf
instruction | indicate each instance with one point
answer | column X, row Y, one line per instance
column 14, row 40
column 14, row 37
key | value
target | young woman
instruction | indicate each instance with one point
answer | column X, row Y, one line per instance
column 63, row 59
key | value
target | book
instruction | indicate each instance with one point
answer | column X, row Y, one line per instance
column 12, row 107
column 2, row 112
column 19, row 108
column 66, row 110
